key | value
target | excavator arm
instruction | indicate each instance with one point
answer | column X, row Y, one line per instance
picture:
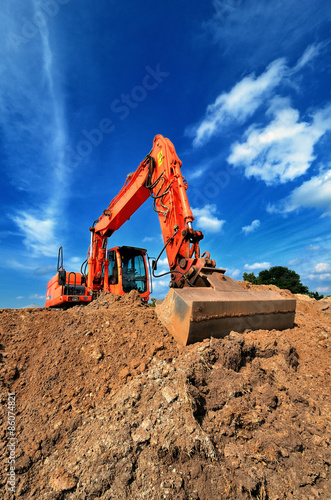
column 158, row 176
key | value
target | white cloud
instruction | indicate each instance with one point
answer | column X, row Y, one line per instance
column 44, row 270
column 309, row 54
column 162, row 267
column 38, row 233
column 283, row 150
column 75, row 259
column 5, row 234
column 251, row 227
column 74, row 263
column 321, row 272
column 295, row 262
column 163, row 262
column 323, row 289
column 322, row 267
column 15, row 264
column 36, row 296
column 239, row 103
column 150, row 239
column 19, row 265
column 233, row 273
column 259, row 22
column 160, row 287
column 158, row 283
column 314, row 193
column 196, row 173
column 313, row 248
column 321, row 277
column 34, row 128
column 257, row 265
column 206, row 218
column 147, row 239
column 246, row 96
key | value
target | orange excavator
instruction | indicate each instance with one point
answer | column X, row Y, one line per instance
column 202, row 301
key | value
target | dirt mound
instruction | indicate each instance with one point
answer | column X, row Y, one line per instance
column 285, row 293
column 109, row 406
column 325, row 304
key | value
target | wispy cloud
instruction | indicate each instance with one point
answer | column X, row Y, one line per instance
column 197, row 173
column 233, row 273
column 314, row 193
column 45, row 270
column 320, row 276
column 239, row 103
column 246, row 96
column 38, row 233
column 207, row 219
column 251, row 227
column 33, row 123
column 160, row 287
column 257, row 265
column 323, row 289
column 282, row 25
column 147, row 239
column 36, row 296
column 295, row 262
column 311, row 52
column 163, row 262
column 313, row 248
column 17, row 265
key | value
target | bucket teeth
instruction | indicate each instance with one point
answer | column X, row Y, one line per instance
column 193, row 314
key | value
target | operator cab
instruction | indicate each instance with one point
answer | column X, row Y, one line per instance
column 128, row 271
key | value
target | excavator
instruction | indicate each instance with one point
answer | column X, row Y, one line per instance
column 202, row 301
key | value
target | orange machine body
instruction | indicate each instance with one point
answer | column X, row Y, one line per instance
column 66, row 292
column 126, row 269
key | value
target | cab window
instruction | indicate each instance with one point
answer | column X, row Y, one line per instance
column 133, row 272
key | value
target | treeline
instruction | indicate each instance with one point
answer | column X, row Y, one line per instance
column 283, row 278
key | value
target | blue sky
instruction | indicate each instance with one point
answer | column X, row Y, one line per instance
column 242, row 89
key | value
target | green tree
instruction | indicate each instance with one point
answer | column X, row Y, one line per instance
column 279, row 276
column 250, row 277
column 283, row 278
column 315, row 295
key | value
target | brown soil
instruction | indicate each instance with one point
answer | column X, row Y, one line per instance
column 109, row 406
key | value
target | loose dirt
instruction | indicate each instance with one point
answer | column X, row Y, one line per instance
column 108, row 406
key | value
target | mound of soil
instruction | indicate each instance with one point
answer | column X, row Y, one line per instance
column 108, row 406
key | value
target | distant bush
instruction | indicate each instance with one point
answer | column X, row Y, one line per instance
column 282, row 277
column 152, row 302
column 315, row 295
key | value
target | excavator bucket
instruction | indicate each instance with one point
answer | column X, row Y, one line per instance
column 195, row 313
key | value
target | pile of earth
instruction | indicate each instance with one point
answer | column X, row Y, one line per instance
column 109, row 406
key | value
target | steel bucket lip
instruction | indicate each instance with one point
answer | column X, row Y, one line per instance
column 216, row 312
